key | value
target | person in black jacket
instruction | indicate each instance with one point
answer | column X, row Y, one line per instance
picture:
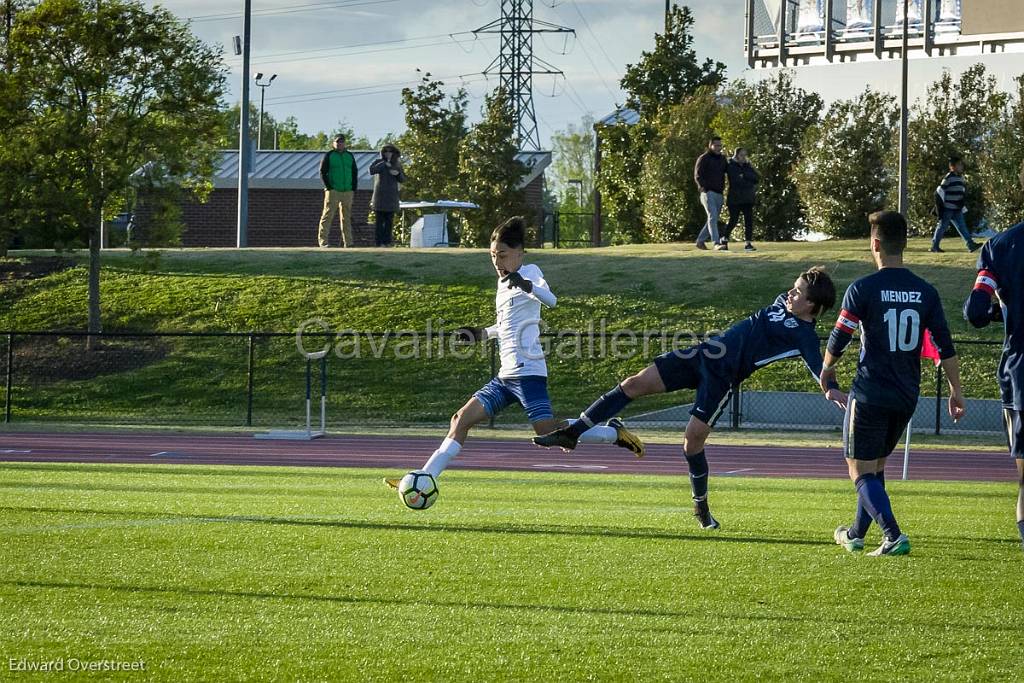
column 387, row 176
column 709, row 174
column 743, row 181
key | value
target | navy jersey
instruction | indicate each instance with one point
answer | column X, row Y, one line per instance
column 892, row 308
column 1001, row 271
column 770, row 334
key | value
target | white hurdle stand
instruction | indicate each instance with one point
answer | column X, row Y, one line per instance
column 308, row 434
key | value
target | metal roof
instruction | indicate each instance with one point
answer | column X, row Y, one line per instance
column 625, row 115
column 300, row 170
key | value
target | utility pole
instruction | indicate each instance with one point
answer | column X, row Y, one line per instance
column 904, row 114
column 244, row 162
column 516, row 63
column 667, row 10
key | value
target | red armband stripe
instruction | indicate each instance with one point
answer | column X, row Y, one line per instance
column 986, row 282
column 847, row 322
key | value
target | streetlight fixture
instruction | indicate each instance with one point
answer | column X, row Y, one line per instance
column 263, row 93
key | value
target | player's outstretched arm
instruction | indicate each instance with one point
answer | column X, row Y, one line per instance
column 535, row 287
column 471, row 335
column 951, row 367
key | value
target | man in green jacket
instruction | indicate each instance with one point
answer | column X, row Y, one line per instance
column 340, row 175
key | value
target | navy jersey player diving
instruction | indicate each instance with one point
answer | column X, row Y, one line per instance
column 892, row 308
column 1001, row 274
column 785, row 329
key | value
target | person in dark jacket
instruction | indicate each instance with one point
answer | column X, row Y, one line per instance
column 387, row 174
column 709, row 174
column 340, row 176
column 951, row 196
column 743, row 181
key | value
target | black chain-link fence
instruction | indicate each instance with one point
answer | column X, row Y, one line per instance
column 405, row 378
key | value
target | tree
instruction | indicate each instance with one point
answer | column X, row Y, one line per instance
column 573, row 159
column 111, row 87
column 956, row 117
column 430, row 143
column 848, row 168
column 1003, row 165
column 663, row 77
column 489, row 171
column 671, row 72
column 769, row 118
column 672, row 208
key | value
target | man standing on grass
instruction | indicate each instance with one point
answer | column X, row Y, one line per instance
column 892, row 308
column 340, row 176
column 950, row 197
column 1001, row 273
column 709, row 174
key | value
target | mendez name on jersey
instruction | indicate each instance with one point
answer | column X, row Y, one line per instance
column 890, row 296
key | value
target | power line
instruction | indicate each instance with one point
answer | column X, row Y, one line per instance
column 269, row 60
column 272, row 11
column 344, row 93
column 600, row 45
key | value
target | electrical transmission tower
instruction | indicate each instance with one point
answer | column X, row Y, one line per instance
column 516, row 64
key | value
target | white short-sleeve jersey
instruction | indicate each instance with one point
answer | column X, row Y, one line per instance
column 517, row 328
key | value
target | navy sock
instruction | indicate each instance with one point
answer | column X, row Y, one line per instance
column 875, row 500
column 862, row 520
column 698, row 463
column 601, row 410
column 1020, row 528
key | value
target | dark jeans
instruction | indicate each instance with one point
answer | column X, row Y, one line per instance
column 748, row 220
column 385, row 222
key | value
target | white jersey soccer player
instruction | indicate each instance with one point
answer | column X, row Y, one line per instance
column 523, row 376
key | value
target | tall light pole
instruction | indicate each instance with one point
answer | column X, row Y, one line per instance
column 263, row 93
column 244, row 162
column 904, row 114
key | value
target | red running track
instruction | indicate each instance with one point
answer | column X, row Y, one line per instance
column 406, row 453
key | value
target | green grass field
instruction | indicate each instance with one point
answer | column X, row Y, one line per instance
column 217, row 573
column 186, row 381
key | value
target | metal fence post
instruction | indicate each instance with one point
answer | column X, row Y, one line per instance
column 736, row 406
column 10, row 377
column 938, row 399
column 249, row 380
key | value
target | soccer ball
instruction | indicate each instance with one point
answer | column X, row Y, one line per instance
column 418, row 490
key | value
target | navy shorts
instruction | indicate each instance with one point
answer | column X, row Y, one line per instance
column 872, row 432
column 1014, row 421
column 530, row 392
column 686, row 369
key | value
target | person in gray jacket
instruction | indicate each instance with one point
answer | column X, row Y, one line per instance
column 743, row 181
column 387, row 175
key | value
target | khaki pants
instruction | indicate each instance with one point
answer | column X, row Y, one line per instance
column 333, row 201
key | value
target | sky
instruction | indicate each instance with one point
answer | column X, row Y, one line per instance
column 347, row 60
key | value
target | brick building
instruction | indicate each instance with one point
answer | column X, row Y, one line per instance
column 286, row 199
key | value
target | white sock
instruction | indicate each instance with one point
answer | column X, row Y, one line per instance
column 598, row 434
column 438, row 462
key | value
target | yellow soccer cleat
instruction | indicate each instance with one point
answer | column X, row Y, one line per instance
column 627, row 439
column 392, row 482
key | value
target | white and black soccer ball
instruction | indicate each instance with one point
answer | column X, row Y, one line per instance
column 418, row 490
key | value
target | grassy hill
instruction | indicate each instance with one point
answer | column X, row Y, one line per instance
column 640, row 287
